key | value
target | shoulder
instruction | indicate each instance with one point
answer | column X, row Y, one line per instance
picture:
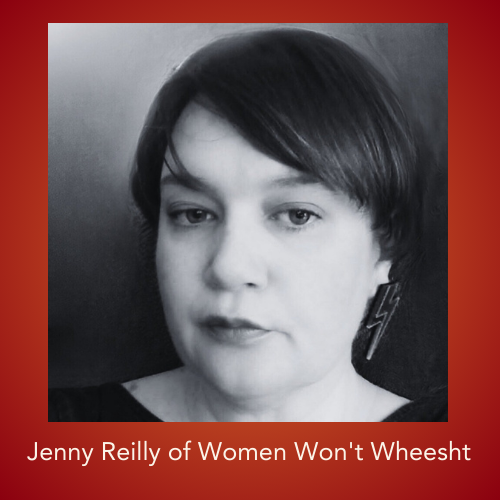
column 104, row 403
column 433, row 407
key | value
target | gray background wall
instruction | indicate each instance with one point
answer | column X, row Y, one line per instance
column 105, row 323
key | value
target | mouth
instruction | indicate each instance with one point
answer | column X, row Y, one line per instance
column 232, row 330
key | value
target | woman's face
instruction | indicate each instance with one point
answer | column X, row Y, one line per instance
column 264, row 272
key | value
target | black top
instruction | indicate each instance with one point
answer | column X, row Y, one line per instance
column 113, row 403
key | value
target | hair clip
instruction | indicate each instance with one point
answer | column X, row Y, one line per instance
column 384, row 305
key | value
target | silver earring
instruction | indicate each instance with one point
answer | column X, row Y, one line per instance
column 383, row 307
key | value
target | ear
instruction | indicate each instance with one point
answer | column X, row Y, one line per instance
column 380, row 275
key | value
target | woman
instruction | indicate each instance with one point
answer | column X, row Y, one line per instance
column 278, row 174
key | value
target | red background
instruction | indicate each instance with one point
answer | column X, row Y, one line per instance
column 473, row 126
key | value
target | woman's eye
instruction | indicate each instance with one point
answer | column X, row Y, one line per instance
column 195, row 216
column 296, row 217
column 191, row 216
column 299, row 217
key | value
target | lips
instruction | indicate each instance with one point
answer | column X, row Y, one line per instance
column 232, row 330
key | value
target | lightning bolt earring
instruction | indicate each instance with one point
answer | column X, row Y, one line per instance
column 384, row 305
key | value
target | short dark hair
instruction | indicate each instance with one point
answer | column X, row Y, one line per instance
column 308, row 101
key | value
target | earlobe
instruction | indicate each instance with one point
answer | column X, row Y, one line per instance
column 380, row 275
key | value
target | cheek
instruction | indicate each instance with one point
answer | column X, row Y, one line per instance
column 178, row 269
column 327, row 294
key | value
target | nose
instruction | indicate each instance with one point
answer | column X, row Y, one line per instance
column 237, row 260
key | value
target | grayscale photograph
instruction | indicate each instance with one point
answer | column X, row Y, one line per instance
column 248, row 222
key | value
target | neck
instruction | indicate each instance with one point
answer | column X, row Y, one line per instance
column 341, row 396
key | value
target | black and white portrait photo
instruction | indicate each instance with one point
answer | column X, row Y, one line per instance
column 248, row 222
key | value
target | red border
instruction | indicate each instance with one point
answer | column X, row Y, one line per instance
column 473, row 333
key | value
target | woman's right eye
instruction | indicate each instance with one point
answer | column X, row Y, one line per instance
column 191, row 216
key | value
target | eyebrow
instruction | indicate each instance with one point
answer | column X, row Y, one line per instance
column 184, row 178
column 300, row 178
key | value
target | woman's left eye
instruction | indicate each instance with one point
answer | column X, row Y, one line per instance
column 299, row 217
column 294, row 218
